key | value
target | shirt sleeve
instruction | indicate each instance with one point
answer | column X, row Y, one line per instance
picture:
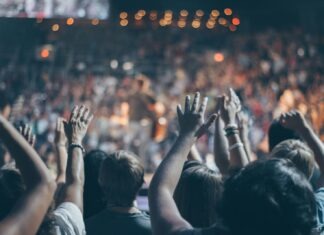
column 319, row 196
column 69, row 219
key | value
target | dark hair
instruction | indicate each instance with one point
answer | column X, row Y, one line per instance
column 269, row 197
column 11, row 189
column 197, row 195
column 299, row 153
column 4, row 101
column 277, row 133
column 93, row 197
column 121, row 176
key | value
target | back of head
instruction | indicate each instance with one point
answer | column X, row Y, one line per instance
column 277, row 133
column 11, row 189
column 197, row 195
column 299, row 153
column 4, row 104
column 269, row 197
column 93, row 197
column 121, row 176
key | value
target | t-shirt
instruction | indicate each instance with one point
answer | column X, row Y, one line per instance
column 319, row 196
column 114, row 223
column 213, row 230
column 69, row 220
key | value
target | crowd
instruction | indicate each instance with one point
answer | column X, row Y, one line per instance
column 241, row 161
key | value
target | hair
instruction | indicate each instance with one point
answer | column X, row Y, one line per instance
column 4, row 101
column 121, row 177
column 269, row 197
column 12, row 188
column 299, row 153
column 93, row 197
column 277, row 133
column 198, row 193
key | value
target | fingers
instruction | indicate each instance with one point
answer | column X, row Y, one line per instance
column 179, row 111
column 187, row 104
column 203, row 106
column 195, row 104
column 210, row 120
column 74, row 113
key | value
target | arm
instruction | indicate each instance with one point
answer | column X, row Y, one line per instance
column 165, row 216
column 243, row 121
column 72, row 190
column 60, row 142
column 28, row 213
column 294, row 120
column 194, row 154
column 238, row 157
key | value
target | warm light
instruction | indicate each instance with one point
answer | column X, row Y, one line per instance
column 228, row 11
column 153, row 15
column 95, row 22
column 124, row 22
column 196, row 24
column 163, row 22
column 44, row 53
column 218, row 57
column 236, row 21
column 210, row 24
column 55, row 27
column 141, row 13
column 214, row 13
column 70, row 21
column 138, row 17
column 182, row 23
column 199, row 13
column 123, row 15
column 233, row 28
column 184, row 13
column 222, row 21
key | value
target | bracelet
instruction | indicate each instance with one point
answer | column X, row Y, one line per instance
column 72, row 146
column 231, row 132
column 231, row 126
column 234, row 146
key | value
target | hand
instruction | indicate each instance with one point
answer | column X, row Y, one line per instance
column 60, row 137
column 243, row 123
column 78, row 124
column 293, row 120
column 191, row 121
column 27, row 133
column 229, row 108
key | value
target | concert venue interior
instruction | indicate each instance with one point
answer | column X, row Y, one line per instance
column 132, row 62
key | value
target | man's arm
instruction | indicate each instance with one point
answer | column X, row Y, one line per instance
column 60, row 142
column 72, row 190
column 294, row 120
column 165, row 216
column 28, row 213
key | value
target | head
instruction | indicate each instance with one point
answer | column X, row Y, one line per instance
column 121, row 177
column 277, row 133
column 142, row 83
column 12, row 188
column 93, row 197
column 198, row 193
column 5, row 107
column 269, row 197
column 299, row 153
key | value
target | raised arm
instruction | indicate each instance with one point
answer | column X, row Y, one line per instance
column 294, row 120
column 229, row 108
column 72, row 190
column 30, row 210
column 165, row 216
column 60, row 142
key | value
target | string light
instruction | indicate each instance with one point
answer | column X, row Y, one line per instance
column 184, row 13
column 55, row 27
column 124, row 22
column 228, row 11
column 219, row 57
column 236, row 21
column 95, row 21
column 70, row 21
column 123, row 15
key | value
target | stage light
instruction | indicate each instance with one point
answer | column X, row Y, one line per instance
column 70, row 21
column 199, row 13
column 219, row 57
column 44, row 54
column 124, row 22
column 181, row 23
column 128, row 66
column 228, row 11
column 153, row 15
column 236, row 21
column 138, row 17
column 123, row 15
column 184, row 13
column 214, row 13
column 114, row 64
column 55, row 27
column 233, row 28
column 141, row 13
column 210, row 24
column 196, row 24
column 95, row 21
column 222, row 21
column 163, row 22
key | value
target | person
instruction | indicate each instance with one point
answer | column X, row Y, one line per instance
column 5, row 107
column 265, row 197
column 198, row 193
column 93, row 196
column 121, row 177
column 25, row 196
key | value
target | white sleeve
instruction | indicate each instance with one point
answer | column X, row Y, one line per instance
column 69, row 219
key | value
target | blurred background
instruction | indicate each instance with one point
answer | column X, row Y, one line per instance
column 55, row 54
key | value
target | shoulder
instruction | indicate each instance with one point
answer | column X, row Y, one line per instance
column 69, row 218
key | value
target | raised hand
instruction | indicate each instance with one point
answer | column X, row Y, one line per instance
column 78, row 124
column 60, row 136
column 191, row 120
column 293, row 120
column 230, row 105
column 27, row 133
